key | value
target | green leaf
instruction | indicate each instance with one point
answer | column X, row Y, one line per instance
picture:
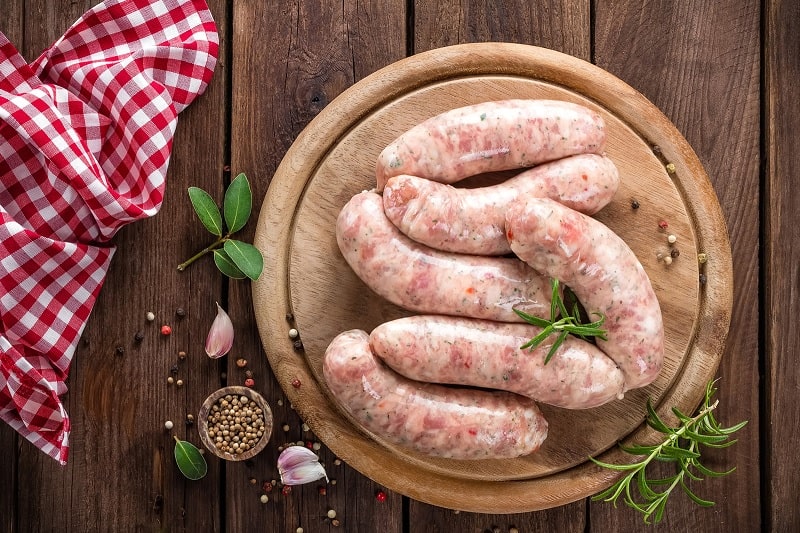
column 190, row 461
column 238, row 203
column 530, row 319
column 226, row 265
column 207, row 211
column 247, row 257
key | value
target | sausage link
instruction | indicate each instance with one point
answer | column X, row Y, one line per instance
column 431, row 419
column 421, row 279
column 482, row 353
column 604, row 274
column 492, row 136
column 472, row 221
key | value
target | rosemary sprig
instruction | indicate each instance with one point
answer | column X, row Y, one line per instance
column 682, row 447
column 561, row 321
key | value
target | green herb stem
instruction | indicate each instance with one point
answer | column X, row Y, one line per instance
column 208, row 249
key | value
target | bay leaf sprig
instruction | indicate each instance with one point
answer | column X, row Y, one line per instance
column 562, row 322
column 190, row 461
column 234, row 258
column 682, row 446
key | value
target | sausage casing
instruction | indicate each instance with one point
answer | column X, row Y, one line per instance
column 421, row 279
column 472, row 221
column 483, row 353
column 604, row 274
column 431, row 419
column 492, row 136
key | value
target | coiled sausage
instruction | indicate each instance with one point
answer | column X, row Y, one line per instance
column 472, row 221
column 492, row 136
column 604, row 274
column 421, row 279
column 430, row 419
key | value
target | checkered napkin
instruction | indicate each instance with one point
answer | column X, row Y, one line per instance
column 85, row 137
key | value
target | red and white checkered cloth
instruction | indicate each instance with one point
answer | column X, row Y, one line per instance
column 85, row 138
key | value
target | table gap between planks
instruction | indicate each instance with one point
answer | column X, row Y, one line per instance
column 721, row 71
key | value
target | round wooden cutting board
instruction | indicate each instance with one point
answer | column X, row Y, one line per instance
column 306, row 277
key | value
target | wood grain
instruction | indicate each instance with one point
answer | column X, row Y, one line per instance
column 781, row 260
column 700, row 65
column 334, row 159
column 300, row 56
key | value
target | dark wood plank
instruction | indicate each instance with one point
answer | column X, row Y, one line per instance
column 559, row 25
column 289, row 61
column 11, row 24
column 121, row 474
column 700, row 65
column 782, row 230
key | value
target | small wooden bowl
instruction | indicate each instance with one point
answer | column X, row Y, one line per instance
column 251, row 396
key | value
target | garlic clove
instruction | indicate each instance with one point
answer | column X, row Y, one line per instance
column 298, row 465
column 220, row 337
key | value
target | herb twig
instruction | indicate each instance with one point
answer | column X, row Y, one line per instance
column 681, row 446
column 562, row 322
column 235, row 259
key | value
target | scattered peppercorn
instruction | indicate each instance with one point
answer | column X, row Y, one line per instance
column 181, row 355
column 337, row 462
column 179, row 383
column 173, row 370
column 634, row 204
column 264, row 498
column 671, row 168
column 286, row 490
column 668, row 260
column 248, row 373
column 333, row 482
column 296, row 383
column 512, row 529
column 170, row 380
column 181, row 312
column 672, row 239
column 702, row 258
column 322, row 491
column 335, row 522
column 166, row 330
column 150, row 316
column 249, row 382
column 241, row 363
column 331, row 514
column 168, row 425
column 298, row 345
column 663, row 224
column 380, row 496
column 674, row 253
column 267, row 486
column 286, row 427
column 293, row 333
column 189, row 420
column 289, row 317
column 316, row 446
column 120, row 350
column 138, row 337
column 656, row 149
column 702, row 279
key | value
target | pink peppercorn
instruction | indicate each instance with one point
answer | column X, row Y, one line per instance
column 663, row 224
column 166, row 330
column 249, row 382
column 296, row 383
column 380, row 496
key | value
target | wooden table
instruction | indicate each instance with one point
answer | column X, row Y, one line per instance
column 725, row 72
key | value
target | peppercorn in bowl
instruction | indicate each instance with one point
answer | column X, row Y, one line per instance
column 235, row 423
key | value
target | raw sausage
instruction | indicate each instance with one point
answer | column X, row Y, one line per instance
column 482, row 353
column 472, row 221
column 604, row 274
column 421, row 279
column 432, row 419
column 492, row 136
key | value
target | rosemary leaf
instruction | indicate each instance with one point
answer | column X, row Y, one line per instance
column 681, row 445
